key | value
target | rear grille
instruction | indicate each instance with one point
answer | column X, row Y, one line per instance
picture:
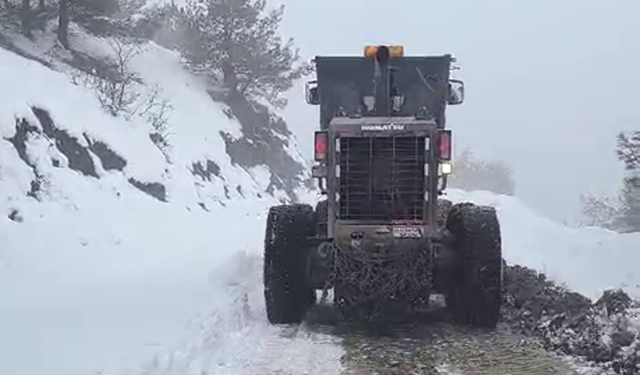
column 382, row 178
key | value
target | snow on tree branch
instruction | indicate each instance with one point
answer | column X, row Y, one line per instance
column 628, row 150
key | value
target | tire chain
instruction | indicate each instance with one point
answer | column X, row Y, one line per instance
column 371, row 279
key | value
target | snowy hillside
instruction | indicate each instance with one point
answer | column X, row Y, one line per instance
column 65, row 161
column 119, row 255
column 107, row 242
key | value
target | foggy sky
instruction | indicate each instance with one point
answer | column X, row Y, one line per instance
column 548, row 83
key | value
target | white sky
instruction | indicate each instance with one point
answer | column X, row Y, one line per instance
column 549, row 83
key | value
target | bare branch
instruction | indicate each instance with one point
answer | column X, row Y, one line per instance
column 124, row 94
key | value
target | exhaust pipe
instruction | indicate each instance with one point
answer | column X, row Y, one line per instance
column 382, row 81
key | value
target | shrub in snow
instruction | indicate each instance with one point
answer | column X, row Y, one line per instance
column 623, row 213
column 471, row 174
column 599, row 211
column 121, row 93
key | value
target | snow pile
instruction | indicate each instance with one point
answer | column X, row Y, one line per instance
column 605, row 333
column 583, row 265
column 587, row 260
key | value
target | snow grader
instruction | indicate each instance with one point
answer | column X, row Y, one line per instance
column 383, row 238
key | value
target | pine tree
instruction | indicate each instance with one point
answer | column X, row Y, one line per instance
column 26, row 18
column 628, row 152
column 630, row 198
column 63, row 23
column 239, row 40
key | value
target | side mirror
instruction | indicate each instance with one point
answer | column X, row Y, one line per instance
column 456, row 92
column 311, row 93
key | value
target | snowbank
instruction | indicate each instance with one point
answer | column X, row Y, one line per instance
column 588, row 260
column 601, row 325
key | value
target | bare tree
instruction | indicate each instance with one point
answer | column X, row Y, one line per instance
column 117, row 94
column 155, row 110
column 124, row 95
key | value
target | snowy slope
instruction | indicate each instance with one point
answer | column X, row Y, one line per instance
column 97, row 266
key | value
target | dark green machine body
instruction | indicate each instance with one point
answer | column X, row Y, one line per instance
column 383, row 233
column 344, row 83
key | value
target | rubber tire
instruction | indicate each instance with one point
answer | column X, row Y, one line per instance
column 287, row 293
column 442, row 211
column 475, row 296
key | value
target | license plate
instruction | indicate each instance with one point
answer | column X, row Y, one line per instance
column 407, row 232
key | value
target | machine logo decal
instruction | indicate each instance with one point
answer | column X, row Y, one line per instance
column 379, row 127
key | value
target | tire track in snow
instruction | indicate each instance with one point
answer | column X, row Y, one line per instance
column 236, row 338
column 443, row 349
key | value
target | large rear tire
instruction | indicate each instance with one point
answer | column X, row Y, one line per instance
column 322, row 218
column 442, row 211
column 287, row 293
column 475, row 296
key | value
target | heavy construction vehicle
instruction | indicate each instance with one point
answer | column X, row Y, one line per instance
column 383, row 239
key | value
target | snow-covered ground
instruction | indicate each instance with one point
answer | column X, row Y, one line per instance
column 100, row 277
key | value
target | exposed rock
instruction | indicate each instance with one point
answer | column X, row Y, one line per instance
column 19, row 141
column 108, row 158
column 20, row 138
column 15, row 215
column 206, row 170
column 264, row 142
column 154, row 189
column 78, row 156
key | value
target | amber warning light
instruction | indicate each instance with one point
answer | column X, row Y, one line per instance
column 394, row 51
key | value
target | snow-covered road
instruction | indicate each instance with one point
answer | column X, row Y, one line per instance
column 81, row 330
